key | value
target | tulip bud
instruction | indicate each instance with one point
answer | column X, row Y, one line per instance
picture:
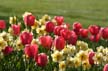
column 105, row 33
column 65, row 33
column 26, row 37
column 29, row 19
column 7, row 50
column 84, row 33
column 42, row 60
column 50, row 27
column 31, row 50
column 2, row 24
column 76, row 27
column 46, row 41
column 59, row 43
column 94, row 29
column 15, row 29
column 59, row 20
column 73, row 39
column 57, row 30
column 91, row 55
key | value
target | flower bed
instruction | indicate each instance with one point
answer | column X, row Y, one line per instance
column 50, row 44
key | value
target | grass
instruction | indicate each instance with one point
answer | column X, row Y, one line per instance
column 85, row 11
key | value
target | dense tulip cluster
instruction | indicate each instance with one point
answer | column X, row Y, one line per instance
column 50, row 44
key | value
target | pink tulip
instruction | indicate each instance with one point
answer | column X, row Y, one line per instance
column 105, row 67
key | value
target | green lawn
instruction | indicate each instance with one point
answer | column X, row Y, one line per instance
column 85, row 11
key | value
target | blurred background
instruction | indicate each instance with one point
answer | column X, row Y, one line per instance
column 84, row 11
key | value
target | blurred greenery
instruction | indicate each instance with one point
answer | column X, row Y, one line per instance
column 85, row 11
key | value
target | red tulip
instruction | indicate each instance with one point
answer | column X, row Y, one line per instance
column 65, row 33
column 105, row 67
column 59, row 43
column 59, row 20
column 29, row 20
column 42, row 60
column 16, row 29
column 91, row 55
column 73, row 39
column 105, row 33
column 31, row 50
column 46, row 41
column 84, row 33
column 57, row 30
column 76, row 27
column 2, row 24
column 50, row 26
column 26, row 38
column 94, row 29
column 95, row 38
column 7, row 50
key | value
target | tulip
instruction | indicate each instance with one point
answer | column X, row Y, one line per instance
column 42, row 60
column 95, row 38
column 59, row 20
column 26, row 37
column 76, row 27
column 105, row 67
column 15, row 29
column 31, row 51
column 84, row 33
column 94, row 29
column 59, row 43
column 46, row 41
column 73, row 39
column 105, row 33
column 91, row 55
column 50, row 26
column 65, row 33
column 7, row 50
column 2, row 24
column 57, row 30
column 29, row 20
